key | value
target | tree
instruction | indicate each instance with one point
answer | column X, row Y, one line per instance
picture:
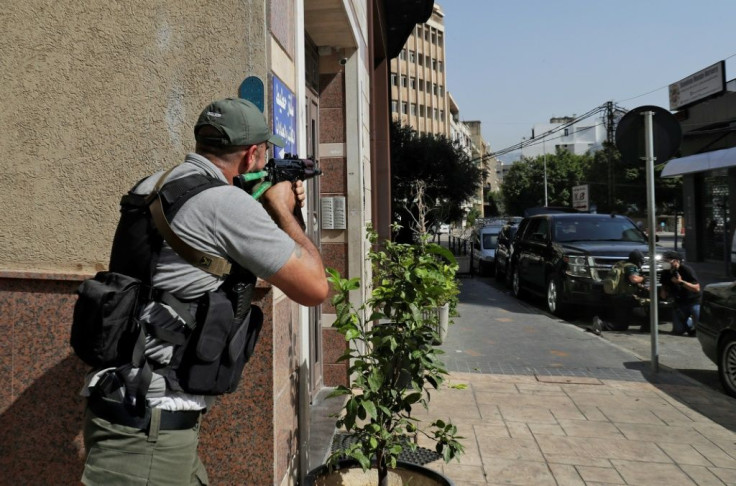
column 448, row 175
column 629, row 186
column 473, row 214
column 616, row 185
column 494, row 202
column 523, row 186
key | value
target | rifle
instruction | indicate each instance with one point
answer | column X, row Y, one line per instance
column 291, row 168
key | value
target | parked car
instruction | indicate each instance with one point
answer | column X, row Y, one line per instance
column 443, row 229
column 484, row 241
column 503, row 251
column 733, row 255
column 565, row 256
column 716, row 330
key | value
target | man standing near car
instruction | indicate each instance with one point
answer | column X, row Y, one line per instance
column 681, row 284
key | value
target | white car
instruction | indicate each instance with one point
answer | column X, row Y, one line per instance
column 443, row 229
column 485, row 241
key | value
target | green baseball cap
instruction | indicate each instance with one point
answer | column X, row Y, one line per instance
column 238, row 121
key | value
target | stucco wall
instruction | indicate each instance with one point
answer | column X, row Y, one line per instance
column 95, row 95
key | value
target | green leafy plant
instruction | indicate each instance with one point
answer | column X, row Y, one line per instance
column 392, row 361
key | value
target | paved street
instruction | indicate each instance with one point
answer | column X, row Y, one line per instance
column 543, row 402
column 680, row 353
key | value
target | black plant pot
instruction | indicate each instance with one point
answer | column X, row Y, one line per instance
column 347, row 471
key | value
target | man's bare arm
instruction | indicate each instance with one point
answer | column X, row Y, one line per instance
column 302, row 278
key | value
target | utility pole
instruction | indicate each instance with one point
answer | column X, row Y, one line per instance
column 610, row 135
column 544, row 149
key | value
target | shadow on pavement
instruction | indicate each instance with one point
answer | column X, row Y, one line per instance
column 685, row 386
column 480, row 291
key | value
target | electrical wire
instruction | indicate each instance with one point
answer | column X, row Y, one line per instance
column 543, row 137
column 662, row 87
column 546, row 135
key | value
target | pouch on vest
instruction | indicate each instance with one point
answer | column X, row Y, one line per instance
column 104, row 328
column 214, row 358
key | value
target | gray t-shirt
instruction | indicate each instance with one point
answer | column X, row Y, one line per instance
column 223, row 221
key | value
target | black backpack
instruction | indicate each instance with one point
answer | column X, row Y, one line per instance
column 211, row 350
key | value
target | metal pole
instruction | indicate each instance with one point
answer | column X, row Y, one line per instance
column 726, row 249
column 649, row 159
column 544, row 149
column 674, row 206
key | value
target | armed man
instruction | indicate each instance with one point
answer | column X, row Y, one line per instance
column 197, row 243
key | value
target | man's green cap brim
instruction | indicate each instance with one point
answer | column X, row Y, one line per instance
column 277, row 140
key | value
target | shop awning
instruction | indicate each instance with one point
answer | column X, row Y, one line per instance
column 717, row 159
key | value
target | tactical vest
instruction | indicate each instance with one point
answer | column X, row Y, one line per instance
column 210, row 351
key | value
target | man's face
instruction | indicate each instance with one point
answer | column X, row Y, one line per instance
column 255, row 158
column 675, row 264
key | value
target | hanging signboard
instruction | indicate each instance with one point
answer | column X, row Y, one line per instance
column 704, row 83
column 580, row 197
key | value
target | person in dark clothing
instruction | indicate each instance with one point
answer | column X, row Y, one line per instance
column 680, row 283
column 632, row 295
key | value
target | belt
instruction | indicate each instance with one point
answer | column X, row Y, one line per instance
column 119, row 413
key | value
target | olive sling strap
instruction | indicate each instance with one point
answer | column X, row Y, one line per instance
column 215, row 265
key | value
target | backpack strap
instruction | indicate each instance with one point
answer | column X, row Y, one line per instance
column 175, row 193
column 213, row 264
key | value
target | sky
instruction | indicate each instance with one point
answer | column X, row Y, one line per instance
column 515, row 63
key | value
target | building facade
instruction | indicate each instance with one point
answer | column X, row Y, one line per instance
column 708, row 169
column 459, row 131
column 577, row 138
column 97, row 96
column 418, row 79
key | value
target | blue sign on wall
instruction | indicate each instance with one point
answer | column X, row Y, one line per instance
column 251, row 89
column 284, row 117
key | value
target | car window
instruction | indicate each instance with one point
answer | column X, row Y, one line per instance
column 490, row 240
column 537, row 229
column 603, row 229
column 521, row 232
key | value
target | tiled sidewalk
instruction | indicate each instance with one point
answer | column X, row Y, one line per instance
column 571, row 430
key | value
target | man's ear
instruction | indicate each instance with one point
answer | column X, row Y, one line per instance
column 249, row 158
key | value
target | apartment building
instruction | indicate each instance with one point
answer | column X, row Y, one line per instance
column 576, row 137
column 459, row 131
column 418, row 79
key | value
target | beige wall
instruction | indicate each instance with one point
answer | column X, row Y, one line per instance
column 95, row 95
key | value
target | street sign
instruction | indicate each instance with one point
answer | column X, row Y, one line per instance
column 580, row 197
column 630, row 137
column 649, row 133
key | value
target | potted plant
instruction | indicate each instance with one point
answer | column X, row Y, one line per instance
column 438, row 288
column 393, row 363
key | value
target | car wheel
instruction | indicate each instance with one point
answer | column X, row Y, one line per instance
column 497, row 271
column 516, row 284
column 554, row 289
column 727, row 365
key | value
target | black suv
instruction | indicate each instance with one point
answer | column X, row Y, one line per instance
column 565, row 256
